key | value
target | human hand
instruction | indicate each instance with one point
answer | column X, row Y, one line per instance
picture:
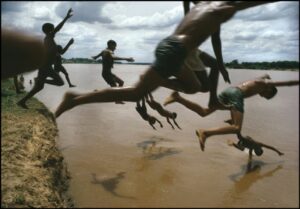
column 70, row 13
column 94, row 57
column 71, row 41
column 225, row 75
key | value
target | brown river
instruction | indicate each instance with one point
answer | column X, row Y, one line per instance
column 117, row 160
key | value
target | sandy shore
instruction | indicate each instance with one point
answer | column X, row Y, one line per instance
column 33, row 173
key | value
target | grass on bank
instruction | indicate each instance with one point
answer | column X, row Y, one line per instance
column 33, row 173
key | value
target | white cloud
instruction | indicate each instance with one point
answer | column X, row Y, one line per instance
column 268, row 32
column 157, row 20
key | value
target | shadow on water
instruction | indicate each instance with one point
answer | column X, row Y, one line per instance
column 251, row 173
column 152, row 152
column 110, row 184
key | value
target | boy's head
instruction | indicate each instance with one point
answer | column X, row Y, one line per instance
column 47, row 28
column 269, row 92
column 111, row 44
column 174, row 115
column 59, row 48
column 258, row 151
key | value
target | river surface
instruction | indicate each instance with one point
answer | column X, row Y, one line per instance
column 117, row 160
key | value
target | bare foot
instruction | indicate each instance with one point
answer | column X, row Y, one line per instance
column 230, row 142
column 172, row 98
column 202, row 139
column 22, row 104
column 66, row 104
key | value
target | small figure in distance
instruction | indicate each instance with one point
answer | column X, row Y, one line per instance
column 142, row 110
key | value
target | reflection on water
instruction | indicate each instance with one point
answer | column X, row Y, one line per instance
column 153, row 152
column 250, row 174
column 110, row 184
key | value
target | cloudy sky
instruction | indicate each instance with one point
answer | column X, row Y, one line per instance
column 265, row 33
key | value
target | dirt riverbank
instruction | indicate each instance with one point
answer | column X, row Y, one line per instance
column 33, row 172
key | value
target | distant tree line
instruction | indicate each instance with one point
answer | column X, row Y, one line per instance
column 80, row 60
column 282, row 65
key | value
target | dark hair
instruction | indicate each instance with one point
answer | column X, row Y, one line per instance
column 273, row 92
column 47, row 27
column 174, row 115
column 111, row 42
column 258, row 151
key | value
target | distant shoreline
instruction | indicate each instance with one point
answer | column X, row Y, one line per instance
column 276, row 69
column 275, row 65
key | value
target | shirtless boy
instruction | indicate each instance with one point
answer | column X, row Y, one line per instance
column 46, row 69
column 200, row 23
column 232, row 98
column 252, row 145
column 108, row 58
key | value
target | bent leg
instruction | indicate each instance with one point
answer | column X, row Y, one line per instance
column 189, row 80
column 211, row 62
column 56, row 79
column 175, row 97
column 186, row 81
column 38, row 86
column 148, row 82
column 64, row 71
column 237, row 118
column 118, row 80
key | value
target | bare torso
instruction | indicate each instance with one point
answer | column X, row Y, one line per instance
column 202, row 21
column 107, row 61
column 250, row 88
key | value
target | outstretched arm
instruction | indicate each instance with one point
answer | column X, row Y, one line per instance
column 96, row 57
column 217, row 46
column 271, row 148
column 128, row 59
column 67, row 46
column 60, row 25
column 284, row 83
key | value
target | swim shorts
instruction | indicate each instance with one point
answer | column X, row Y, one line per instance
column 232, row 96
column 170, row 55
